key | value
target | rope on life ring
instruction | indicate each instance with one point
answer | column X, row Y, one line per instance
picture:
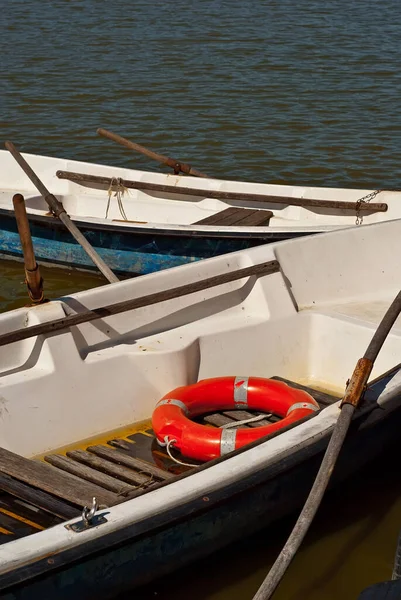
column 172, row 415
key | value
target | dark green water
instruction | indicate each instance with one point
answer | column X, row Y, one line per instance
column 281, row 91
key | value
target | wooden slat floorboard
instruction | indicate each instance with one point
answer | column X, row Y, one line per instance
column 122, row 458
column 37, row 498
column 134, row 478
column 88, row 474
column 49, row 479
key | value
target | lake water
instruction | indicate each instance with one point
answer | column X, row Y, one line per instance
column 276, row 91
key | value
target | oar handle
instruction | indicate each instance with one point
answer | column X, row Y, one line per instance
column 166, row 160
column 33, row 279
column 58, row 210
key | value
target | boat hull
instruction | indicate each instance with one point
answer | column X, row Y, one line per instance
column 126, row 250
column 136, row 555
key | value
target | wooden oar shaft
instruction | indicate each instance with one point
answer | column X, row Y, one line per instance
column 353, row 394
column 119, row 307
column 219, row 195
column 24, row 231
column 58, row 210
column 33, row 278
column 177, row 165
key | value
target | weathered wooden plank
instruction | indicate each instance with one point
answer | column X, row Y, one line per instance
column 26, row 512
column 242, row 415
column 258, row 218
column 37, row 498
column 123, row 473
column 52, row 480
column 221, row 195
column 217, row 419
column 217, row 217
column 129, row 461
column 238, row 216
column 89, row 474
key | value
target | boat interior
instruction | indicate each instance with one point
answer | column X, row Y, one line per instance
column 44, row 491
column 88, row 201
column 76, row 404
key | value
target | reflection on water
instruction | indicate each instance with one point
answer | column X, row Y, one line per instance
column 57, row 282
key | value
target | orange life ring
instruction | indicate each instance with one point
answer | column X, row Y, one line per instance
column 171, row 419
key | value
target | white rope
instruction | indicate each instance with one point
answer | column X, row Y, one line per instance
column 251, row 420
column 120, row 191
column 169, row 444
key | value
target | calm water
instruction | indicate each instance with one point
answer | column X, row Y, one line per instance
column 303, row 92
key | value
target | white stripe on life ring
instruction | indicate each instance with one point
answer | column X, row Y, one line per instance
column 227, row 441
column 178, row 403
column 308, row 405
column 241, row 392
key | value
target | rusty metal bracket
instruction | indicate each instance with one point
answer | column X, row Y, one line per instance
column 356, row 386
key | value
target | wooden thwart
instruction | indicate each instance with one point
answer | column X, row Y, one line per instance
column 240, row 217
column 49, row 479
column 220, row 195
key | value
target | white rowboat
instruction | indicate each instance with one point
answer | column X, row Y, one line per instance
column 83, row 398
column 169, row 220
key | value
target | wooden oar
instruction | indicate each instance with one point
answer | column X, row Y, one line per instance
column 58, row 210
column 119, row 307
column 172, row 189
column 165, row 160
column 33, row 279
column 353, row 394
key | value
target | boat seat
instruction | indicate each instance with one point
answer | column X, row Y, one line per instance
column 239, row 217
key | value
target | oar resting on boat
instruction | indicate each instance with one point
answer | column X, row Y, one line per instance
column 58, row 210
column 175, row 164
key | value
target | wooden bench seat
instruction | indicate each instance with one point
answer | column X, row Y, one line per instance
column 238, row 217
